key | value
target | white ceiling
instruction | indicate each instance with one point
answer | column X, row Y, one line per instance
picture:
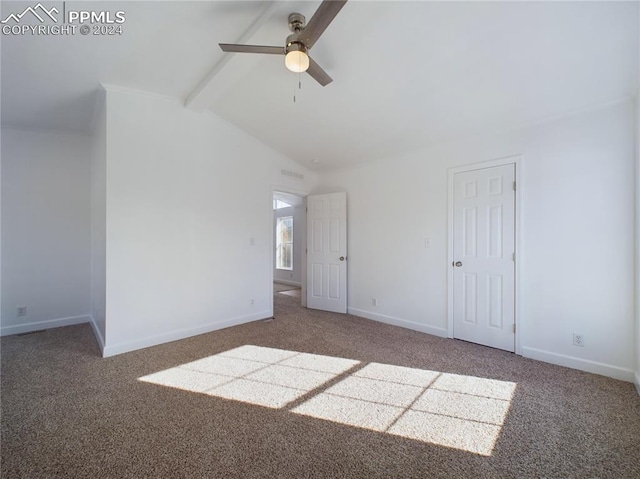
column 406, row 74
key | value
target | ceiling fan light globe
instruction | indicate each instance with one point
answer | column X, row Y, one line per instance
column 297, row 61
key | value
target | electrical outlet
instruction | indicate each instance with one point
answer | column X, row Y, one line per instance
column 21, row 311
column 252, row 301
column 578, row 339
column 374, row 301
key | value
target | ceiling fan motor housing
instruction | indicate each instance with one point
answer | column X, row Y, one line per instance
column 294, row 44
column 296, row 25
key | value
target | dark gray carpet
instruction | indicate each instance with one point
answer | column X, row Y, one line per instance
column 279, row 287
column 66, row 412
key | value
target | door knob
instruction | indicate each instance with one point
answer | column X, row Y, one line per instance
column 458, row 263
column 341, row 258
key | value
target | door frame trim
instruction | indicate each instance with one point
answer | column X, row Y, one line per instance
column 302, row 194
column 517, row 161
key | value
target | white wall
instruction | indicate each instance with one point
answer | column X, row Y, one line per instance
column 578, row 216
column 98, row 221
column 45, row 229
column 294, row 276
column 637, row 241
column 187, row 195
column 637, row 237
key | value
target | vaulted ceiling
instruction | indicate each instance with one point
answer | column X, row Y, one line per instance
column 407, row 75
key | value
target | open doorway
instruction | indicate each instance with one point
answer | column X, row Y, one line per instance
column 289, row 246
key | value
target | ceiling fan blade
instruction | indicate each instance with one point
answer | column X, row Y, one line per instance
column 235, row 48
column 324, row 15
column 318, row 74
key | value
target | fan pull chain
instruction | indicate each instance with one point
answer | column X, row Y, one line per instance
column 299, row 87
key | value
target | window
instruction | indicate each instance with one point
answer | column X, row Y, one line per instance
column 279, row 204
column 284, row 243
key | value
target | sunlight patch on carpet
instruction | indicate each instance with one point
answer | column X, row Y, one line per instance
column 256, row 375
column 457, row 411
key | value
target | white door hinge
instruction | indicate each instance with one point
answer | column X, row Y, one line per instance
column 514, row 327
column 514, row 186
column 513, row 257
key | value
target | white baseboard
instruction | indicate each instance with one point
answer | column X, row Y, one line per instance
column 125, row 347
column 587, row 365
column 40, row 325
column 97, row 334
column 289, row 283
column 423, row 328
column 636, row 381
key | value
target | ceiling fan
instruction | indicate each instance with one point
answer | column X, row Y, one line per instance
column 303, row 37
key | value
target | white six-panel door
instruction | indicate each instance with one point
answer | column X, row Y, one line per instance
column 327, row 252
column 483, row 256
